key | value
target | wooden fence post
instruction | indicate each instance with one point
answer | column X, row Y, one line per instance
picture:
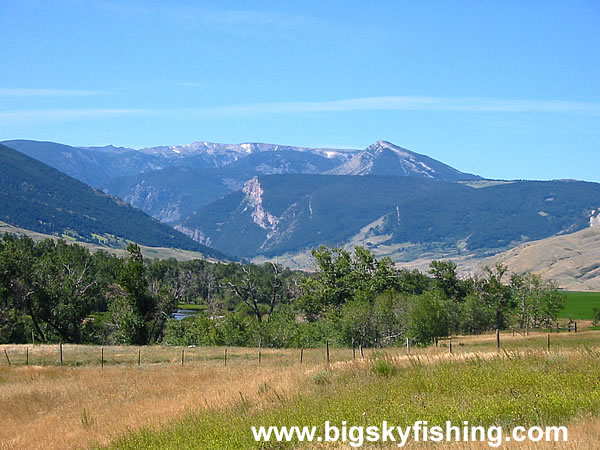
column 259, row 351
column 225, row 357
column 7, row 358
column 450, row 346
column 60, row 350
column 139, row 357
column 301, row 355
column 102, row 358
column 327, row 348
column 27, row 356
column 498, row 339
column 575, row 327
column 548, row 342
column 407, row 346
column 182, row 356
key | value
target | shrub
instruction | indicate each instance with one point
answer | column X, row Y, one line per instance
column 384, row 368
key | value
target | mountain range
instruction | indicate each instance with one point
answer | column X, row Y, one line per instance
column 256, row 200
column 37, row 197
column 277, row 214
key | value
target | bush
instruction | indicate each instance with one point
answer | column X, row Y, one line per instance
column 384, row 368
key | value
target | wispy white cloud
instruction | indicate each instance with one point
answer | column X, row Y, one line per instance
column 68, row 114
column 241, row 20
column 191, row 84
column 248, row 21
column 406, row 103
column 364, row 104
column 26, row 92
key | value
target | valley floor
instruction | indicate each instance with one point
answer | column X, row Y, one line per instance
column 207, row 404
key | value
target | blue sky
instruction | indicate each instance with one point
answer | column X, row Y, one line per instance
column 505, row 89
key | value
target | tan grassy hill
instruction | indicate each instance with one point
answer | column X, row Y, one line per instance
column 572, row 260
column 148, row 252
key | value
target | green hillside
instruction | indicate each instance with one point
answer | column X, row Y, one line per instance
column 39, row 198
column 303, row 211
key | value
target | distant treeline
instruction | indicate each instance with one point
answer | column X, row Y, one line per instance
column 52, row 291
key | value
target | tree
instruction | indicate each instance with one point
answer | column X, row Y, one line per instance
column 260, row 288
column 342, row 277
column 131, row 301
column 17, row 288
column 68, row 289
column 495, row 294
column 538, row 300
column 475, row 315
column 428, row 317
column 446, row 280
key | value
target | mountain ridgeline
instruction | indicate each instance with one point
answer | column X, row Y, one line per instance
column 384, row 158
column 172, row 182
column 265, row 200
column 276, row 214
column 37, row 197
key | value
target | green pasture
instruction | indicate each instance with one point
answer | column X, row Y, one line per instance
column 580, row 305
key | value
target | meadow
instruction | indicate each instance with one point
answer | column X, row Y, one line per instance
column 580, row 305
column 211, row 403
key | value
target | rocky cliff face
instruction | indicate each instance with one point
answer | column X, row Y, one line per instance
column 195, row 233
column 254, row 200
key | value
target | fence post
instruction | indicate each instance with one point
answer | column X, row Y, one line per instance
column 575, row 327
column 301, row 355
column 139, row 357
column 27, row 356
column 407, row 346
column 498, row 339
column 60, row 350
column 7, row 358
column 327, row 348
column 182, row 356
column 436, row 341
column 548, row 342
column 102, row 357
column 225, row 357
column 450, row 346
column 259, row 351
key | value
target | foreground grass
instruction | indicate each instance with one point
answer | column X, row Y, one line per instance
column 81, row 404
column 508, row 389
column 580, row 305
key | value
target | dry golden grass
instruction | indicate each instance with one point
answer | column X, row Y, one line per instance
column 80, row 404
column 65, row 407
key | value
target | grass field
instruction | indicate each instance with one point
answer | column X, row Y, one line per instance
column 508, row 389
column 580, row 305
column 207, row 404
